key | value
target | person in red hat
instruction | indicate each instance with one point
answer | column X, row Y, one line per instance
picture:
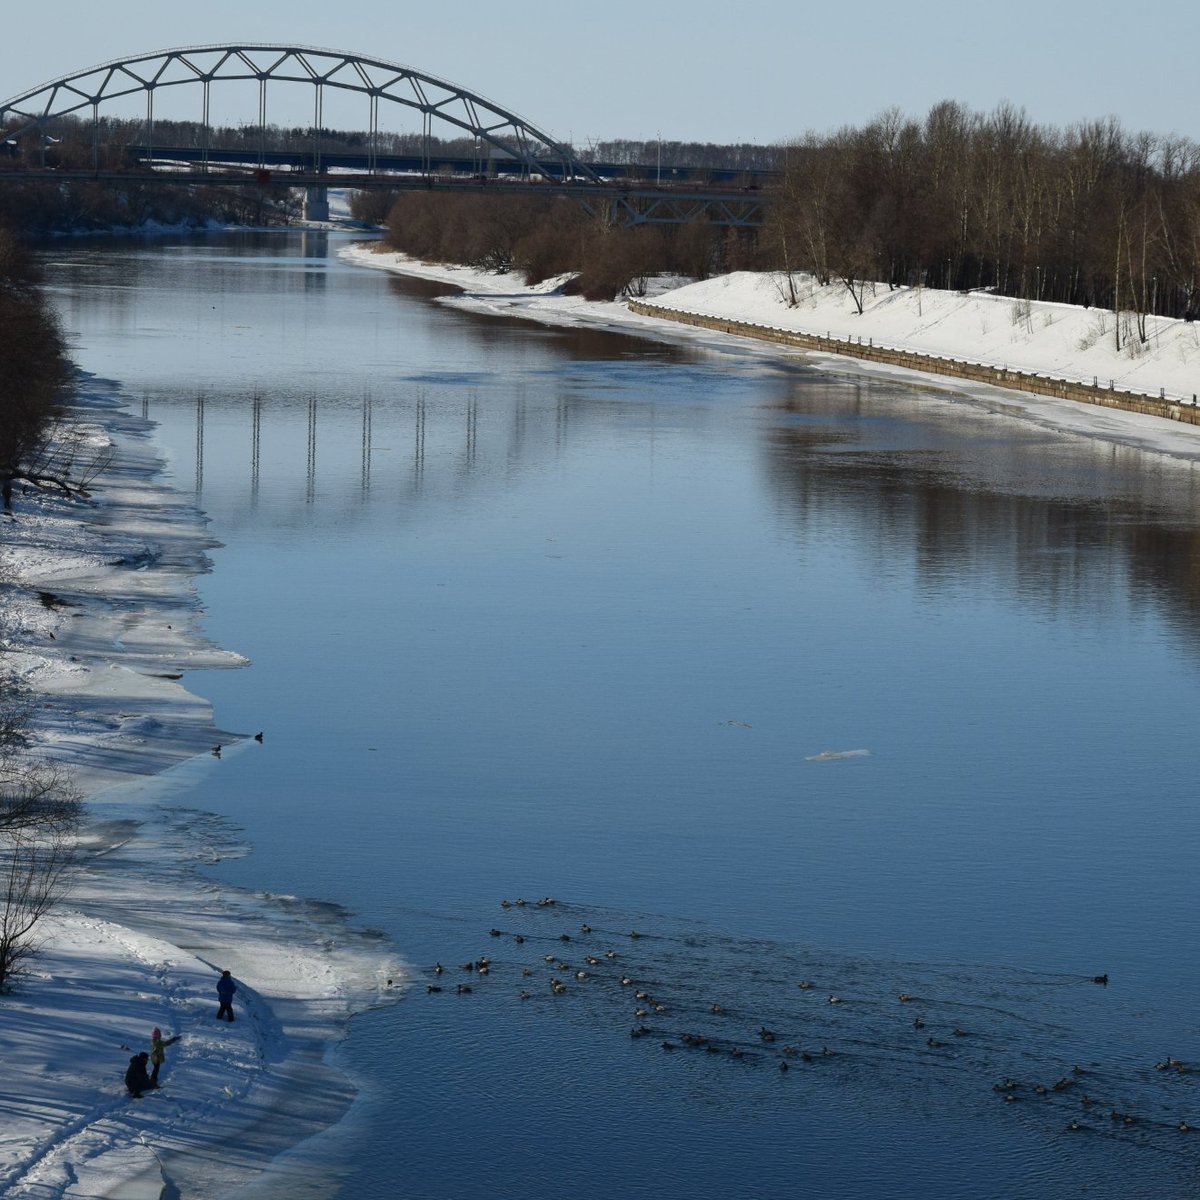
column 158, row 1053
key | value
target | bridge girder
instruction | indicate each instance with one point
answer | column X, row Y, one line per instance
column 376, row 78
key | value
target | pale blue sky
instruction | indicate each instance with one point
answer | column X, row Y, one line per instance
column 705, row 71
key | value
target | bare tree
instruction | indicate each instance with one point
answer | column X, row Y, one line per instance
column 39, row 816
column 34, row 866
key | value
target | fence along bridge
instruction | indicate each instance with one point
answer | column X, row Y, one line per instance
column 532, row 159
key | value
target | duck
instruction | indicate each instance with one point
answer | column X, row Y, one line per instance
column 432, row 987
column 526, row 972
column 1074, row 1124
column 520, row 903
column 519, row 939
column 506, row 904
column 826, row 1052
column 835, row 999
column 1040, row 1088
column 591, row 960
column 581, row 974
column 216, row 751
column 627, row 982
column 933, row 1043
column 1101, row 979
column 783, row 1066
column 463, row 989
column 638, row 1031
column 804, row 985
column 484, row 969
column 716, row 1010
column 805, row 1056
column 1009, row 1097
column 438, row 968
column 633, row 933
column 610, row 954
column 668, row 1045
column 791, row 1052
column 564, row 937
column 1065, row 1082
column 1087, row 1101
column 766, row 1034
column 904, row 997
column 918, row 1023
column 524, row 994
column 1184, row 1127
column 585, row 928
column 258, row 737
column 494, row 932
column 960, row 1032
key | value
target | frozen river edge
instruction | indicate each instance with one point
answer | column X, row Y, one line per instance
column 101, row 620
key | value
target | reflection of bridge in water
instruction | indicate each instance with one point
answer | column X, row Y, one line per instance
column 510, row 153
column 349, row 453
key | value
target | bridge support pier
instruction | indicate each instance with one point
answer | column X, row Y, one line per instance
column 316, row 204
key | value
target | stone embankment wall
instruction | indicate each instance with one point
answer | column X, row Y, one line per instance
column 1024, row 381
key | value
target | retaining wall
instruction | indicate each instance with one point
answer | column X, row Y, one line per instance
column 1024, row 381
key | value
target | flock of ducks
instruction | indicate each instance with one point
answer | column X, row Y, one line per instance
column 647, row 1005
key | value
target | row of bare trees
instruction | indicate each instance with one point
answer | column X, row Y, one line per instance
column 1089, row 215
column 39, row 809
column 34, row 375
column 547, row 236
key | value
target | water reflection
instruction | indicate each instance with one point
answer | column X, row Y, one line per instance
column 1061, row 522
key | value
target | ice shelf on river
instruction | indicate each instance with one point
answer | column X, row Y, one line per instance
column 100, row 619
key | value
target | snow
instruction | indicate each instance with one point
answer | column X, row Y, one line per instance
column 143, row 935
column 1049, row 339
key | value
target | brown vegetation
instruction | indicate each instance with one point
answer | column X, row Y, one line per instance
column 547, row 236
column 33, row 371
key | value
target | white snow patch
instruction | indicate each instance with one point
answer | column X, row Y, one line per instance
column 100, row 616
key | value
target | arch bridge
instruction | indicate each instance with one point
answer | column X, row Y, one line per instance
column 531, row 157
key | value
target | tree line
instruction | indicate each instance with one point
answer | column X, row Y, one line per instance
column 1090, row 215
column 39, row 808
column 543, row 237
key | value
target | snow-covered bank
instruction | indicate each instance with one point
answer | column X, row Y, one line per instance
column 99, row 616
column 1049, row 339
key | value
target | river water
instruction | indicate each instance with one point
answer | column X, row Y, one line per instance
column 802, row 678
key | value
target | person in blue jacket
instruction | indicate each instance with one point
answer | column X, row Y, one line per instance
column 225, row 992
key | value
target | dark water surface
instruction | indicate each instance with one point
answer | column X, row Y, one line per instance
column 549, row 612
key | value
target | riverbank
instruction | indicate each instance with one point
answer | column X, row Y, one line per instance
column 101, row 621
column 1047, row 339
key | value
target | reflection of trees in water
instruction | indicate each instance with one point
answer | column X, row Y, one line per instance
column 1060, row 521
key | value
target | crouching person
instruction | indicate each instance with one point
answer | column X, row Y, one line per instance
column 136, row 1078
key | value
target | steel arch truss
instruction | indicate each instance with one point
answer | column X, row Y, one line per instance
column 655, row 207
column 382, row 81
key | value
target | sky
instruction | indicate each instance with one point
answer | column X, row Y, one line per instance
column 698, row 71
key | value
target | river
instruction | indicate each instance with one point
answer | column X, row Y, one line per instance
column 803, row 678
